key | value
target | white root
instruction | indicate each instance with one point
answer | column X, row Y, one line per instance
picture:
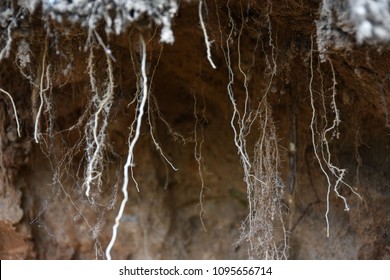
column 150, row 117
column 206, row 37
column 264, row 187
column 14, row 108
column 322, row 144
column 314, row 142
column 96, row 145
column 132, row 142
column 44, row 71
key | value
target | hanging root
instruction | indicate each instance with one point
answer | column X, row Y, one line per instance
column 107, row 51
column 156, row 144
column 199, row 140
column 265, row 192
column 265, row 188
column 206, row 38
column 337, row 172
column 176, row 135
column 14, row 109
column 313, row 135
column 236, row 119
column 261, row 176
column 96, row 127
column 44, row 72
column 151, row 118
column 130, row 156
column 321, row 146
column 270, row 40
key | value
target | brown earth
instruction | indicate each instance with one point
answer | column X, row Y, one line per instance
column 44, row 213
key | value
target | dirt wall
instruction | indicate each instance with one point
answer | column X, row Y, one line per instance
column 279, row 151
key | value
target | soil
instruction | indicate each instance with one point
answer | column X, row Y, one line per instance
column 200, row 210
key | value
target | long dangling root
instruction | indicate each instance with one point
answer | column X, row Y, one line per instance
column 130, row 156
column 14, row 109
column 44, row 72
column 96, row 127
column 321, row 146
column 206, row 37
column 260, row 166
